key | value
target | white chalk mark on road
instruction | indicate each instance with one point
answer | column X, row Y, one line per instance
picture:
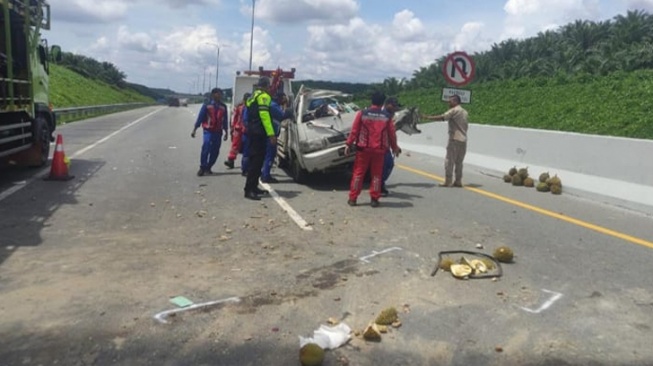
column 547, row 304
column 161, row 317
column 287, row 208
column 375, row 253
column 8, row 192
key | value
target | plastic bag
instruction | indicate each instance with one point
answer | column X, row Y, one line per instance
column 328, row 337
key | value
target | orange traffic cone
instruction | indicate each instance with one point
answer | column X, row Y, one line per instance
column 59, row 168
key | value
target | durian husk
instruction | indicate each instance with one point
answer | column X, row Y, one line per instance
column 372, row 333
column 554, row 181
column 556, row 189
column 512, row 171
column 311, row 355
column 542, row 187
column 544, row 177
column 529, row 182
column 503, row 254
column 517, row 180
column 478, row 266
column 461, row 270
column 445, row 264
column 523, row 173
column 387, row 317
column 489, row 263
column 507, row 178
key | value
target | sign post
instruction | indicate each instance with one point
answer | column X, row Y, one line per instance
column 458, row 70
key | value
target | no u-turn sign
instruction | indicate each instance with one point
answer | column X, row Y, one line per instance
column 459, row 68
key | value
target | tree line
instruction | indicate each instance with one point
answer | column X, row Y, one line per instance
column 93, row 69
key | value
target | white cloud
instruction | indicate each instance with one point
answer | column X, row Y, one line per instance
column 89, row 11
column 140, row 42
column 407, row 27
column 472, row 38
column 300, row 11
column 640, row 5
column 527, row 17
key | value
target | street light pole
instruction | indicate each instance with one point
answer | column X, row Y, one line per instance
column 251, row 36
column 217, row 68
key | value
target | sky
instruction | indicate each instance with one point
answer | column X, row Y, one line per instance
column 174, row 43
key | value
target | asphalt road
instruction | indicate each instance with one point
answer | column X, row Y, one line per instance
column 85, row 265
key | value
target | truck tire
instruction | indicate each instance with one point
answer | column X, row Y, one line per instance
column 297, row 173
column 37, row 155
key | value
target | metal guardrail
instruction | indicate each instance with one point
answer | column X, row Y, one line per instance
column 65, row 114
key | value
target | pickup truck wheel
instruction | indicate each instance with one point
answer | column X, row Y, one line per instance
column 38, row 154
column 297, row 173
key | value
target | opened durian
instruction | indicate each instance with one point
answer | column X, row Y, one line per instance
column 542, row 187
column 529, row 182
column 387, row 317
column 461, row 270
column 372, row 333
column 523, row 173
column 556, row 189
column 445, row 264
column 544, row 177
column 478, row 266
column 516, row 180
column 503, row 254
column 512, row 171
column 507, row 178
column 311, row 355
column 489, row 263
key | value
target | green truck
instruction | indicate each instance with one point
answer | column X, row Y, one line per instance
column 27, row 121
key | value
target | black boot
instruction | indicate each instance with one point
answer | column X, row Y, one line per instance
column 252, row 196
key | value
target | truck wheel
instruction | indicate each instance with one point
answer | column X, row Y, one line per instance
column 297, row 173
column 37, row 156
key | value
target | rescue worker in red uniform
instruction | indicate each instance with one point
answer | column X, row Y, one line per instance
column 237, row 132
column 214, row 119
column 372, row 134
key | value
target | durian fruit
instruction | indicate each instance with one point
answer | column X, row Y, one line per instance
column 523, row 173
column 544, row 177
column 445, row 264
column 372, row 333
column 556, row 189
column 554, row 181
column 387, row 317
column 489, row 263
column 311, row 355
column 507, row 178
column 478, row 266
column 542, row 187
column 529, row 182
column 503, row 254
column 516, row 180
column 461, row 270
column 512, row 171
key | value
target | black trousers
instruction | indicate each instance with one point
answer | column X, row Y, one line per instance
column 257, row 147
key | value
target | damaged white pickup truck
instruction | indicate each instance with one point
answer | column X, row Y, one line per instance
column 314, row 139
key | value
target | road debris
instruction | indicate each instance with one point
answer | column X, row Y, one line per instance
column 181, row 301
column 224, row 238
column 311, row 355
column 326, row 337
column 333, row 321
column 372, row 333
column 161, row 317
column 472, row 266
column 200, row 213
column 504, row 254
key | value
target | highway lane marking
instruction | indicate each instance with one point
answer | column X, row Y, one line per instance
column 375, row 253
column 545, row 212
column 10, row 191
column 287, row 208
column 547, row 304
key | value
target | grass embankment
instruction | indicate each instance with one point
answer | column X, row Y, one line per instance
column 69, row 89
column 620, row 104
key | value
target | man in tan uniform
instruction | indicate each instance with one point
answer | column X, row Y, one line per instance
column 457, row 145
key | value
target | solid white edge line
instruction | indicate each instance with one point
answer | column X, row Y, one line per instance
column 8, row 192
column 286, row 207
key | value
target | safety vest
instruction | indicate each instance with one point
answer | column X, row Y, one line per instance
column 257, row 103
column 374, row 129
column 215, row 114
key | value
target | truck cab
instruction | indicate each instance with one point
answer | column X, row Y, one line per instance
column 27, row 122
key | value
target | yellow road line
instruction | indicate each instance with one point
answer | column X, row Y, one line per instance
column 540, row 210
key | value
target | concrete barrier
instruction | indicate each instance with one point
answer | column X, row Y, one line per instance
column 617, row 170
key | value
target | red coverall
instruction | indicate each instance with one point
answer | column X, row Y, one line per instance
column 373, row 133
column 237, row 131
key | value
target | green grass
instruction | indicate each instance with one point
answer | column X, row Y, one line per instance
column 69, row 89
column 620, row 104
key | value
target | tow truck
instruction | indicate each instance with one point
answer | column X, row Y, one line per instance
column 27, row 121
